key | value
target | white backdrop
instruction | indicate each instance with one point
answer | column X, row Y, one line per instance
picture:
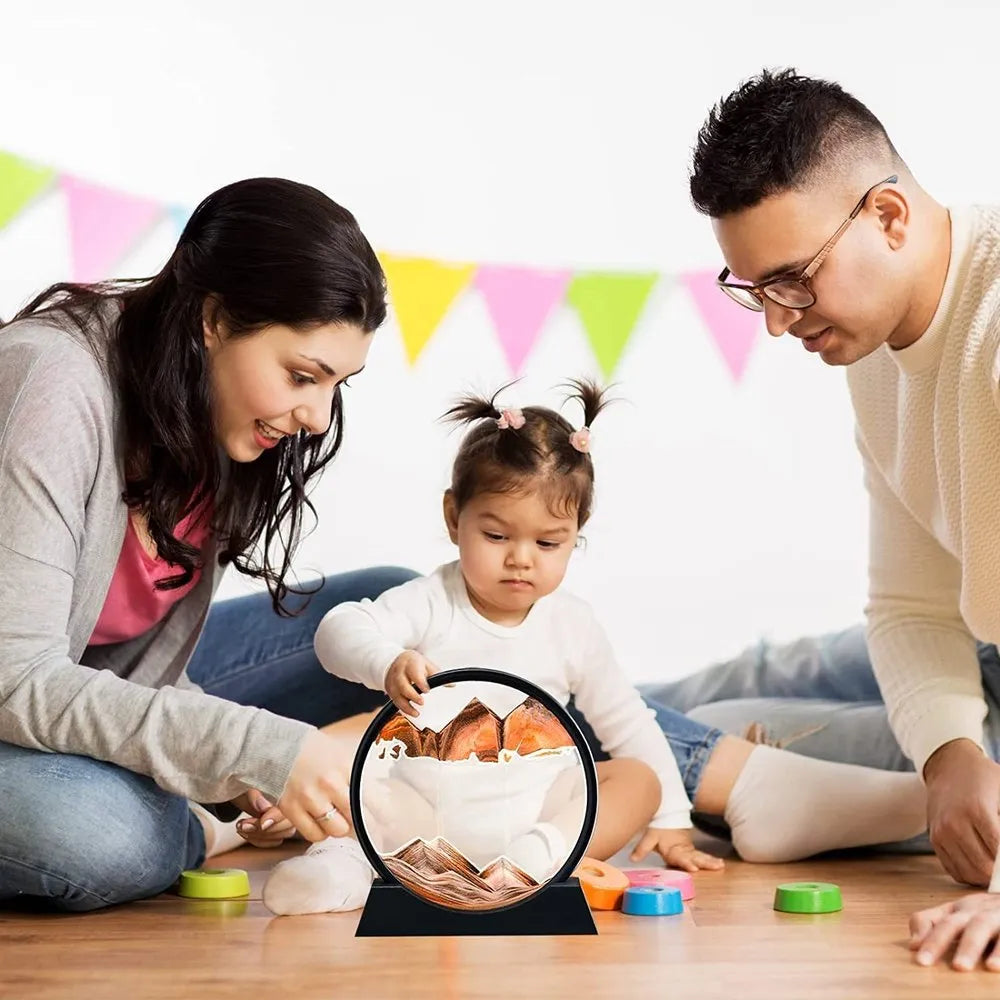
column 552, row 134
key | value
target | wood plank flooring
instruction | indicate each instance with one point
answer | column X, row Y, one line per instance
column 728, row 944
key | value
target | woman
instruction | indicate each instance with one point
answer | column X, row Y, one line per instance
column 151, row 433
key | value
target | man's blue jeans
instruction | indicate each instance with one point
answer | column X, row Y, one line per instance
column 817, row 695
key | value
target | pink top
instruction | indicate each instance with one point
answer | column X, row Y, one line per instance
column 133, row 604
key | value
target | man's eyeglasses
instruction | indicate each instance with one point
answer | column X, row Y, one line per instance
column 791, row 291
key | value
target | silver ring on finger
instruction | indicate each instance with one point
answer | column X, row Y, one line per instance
column 330, row 814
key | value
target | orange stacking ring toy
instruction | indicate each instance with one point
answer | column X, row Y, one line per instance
column 603, row 885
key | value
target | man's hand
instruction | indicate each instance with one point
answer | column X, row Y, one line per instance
column 963, row 810
column 971, row 925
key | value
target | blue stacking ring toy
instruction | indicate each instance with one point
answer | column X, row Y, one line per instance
column 652, row 901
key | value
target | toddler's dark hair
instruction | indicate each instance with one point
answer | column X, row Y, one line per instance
column 537, row 455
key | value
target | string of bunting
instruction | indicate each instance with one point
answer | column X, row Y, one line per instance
column 105, row 224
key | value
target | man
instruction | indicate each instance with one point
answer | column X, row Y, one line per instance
column 824, row 228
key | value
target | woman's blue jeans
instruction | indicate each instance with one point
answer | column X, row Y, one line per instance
column 79, row 834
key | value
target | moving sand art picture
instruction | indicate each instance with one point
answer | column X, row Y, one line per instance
column 476, row 803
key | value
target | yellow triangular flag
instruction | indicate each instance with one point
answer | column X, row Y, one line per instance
column 421, row 291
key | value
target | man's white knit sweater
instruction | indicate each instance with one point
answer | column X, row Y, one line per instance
column 928, row 426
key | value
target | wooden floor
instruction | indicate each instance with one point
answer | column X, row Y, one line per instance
column 728, row 944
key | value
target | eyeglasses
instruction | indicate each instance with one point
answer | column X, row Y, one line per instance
column 788, row 291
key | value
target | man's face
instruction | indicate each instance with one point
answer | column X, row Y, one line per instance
column 860, row 288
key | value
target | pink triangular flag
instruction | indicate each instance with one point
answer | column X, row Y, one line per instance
column 733, row 328
column 519, row 300
column 103, row 225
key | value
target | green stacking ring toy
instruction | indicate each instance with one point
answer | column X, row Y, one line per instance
column 214, row 883
column 808, row 897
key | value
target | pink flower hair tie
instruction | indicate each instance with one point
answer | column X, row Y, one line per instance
column 581, row 440
column 514, row 419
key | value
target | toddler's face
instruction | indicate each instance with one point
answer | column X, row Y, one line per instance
column 513, row 550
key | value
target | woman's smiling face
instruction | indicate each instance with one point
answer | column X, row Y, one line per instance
column 277, row 381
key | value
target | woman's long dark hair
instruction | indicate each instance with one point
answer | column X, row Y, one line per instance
column 260, row 251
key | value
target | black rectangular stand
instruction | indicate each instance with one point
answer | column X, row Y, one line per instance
column 392, row 911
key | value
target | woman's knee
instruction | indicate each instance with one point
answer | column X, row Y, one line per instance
column 84, row 834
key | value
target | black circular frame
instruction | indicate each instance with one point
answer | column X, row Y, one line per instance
column 507, row 680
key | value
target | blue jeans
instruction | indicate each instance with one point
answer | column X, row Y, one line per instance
column 80, row 834
column 691, row 742
column 818, row 695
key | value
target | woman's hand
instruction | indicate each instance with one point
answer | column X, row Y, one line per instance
column 316, row 801
column 265, row 826
column 268, row 828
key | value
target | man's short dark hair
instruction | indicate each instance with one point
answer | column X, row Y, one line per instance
column 777, row 132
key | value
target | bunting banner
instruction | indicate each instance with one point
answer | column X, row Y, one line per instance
column 420, row 292
column 105, row 224
column 734, row 331
column 519, row 301
column 609, row 305
column 179, row 215
column 20, row 183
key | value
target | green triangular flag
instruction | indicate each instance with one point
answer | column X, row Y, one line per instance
column 20, row 181
column 609, row 304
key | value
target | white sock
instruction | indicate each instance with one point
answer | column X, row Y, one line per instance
column 539, row 851
column 785, row 807
column 219, row 837
column 332, row 875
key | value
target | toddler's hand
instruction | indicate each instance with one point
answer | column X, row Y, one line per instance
column 406, row 678
column 677, row 850
column 972, row 923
